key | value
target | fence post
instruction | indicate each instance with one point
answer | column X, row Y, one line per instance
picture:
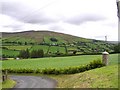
column 105, row 58
column 3, row 78
column 6, row 74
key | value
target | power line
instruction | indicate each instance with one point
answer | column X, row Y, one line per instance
column 36, row 11
column 27, row 16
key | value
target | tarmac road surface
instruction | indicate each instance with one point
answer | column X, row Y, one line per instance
column 33, row 82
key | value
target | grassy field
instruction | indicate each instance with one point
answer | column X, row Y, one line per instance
column 56, row 62
column 53, row 49
column 18, row 47
column 18, row 39
column 14, row 50
column 9, row 52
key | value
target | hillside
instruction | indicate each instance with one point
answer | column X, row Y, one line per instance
column 40, row 36
column 52, row 43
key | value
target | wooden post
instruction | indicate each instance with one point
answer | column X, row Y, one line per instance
column 105, row 58
column 3, row 78
column 6, row 74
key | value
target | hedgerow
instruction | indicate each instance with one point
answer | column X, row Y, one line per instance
column 69, row 70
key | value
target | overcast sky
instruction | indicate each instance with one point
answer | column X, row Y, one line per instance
column 84, row 18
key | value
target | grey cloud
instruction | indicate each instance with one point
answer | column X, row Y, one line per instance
column 80, row 19
column 56, row 27
column 15, row 27
column 25, row 13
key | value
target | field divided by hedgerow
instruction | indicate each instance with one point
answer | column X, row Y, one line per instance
column 56, row 62
column 14, row 50
column 57, row 65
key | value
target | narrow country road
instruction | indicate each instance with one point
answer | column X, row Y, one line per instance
column 34, row 82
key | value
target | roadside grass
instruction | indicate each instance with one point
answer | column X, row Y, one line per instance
column 8, row 83
column 105, row 77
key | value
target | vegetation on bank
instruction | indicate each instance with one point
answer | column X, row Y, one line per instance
column 104, row 77
column 8, row 84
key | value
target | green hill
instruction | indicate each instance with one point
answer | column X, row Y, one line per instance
column 58, row 42
column 40, row 36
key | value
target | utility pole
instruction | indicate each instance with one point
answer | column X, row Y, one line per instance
column 118, row 9
column 106, row 38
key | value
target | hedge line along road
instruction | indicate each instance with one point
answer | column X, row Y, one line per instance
column 33, row 82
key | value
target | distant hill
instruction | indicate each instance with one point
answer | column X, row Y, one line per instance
column 41, row 36
column 113, row 42
column 46, row 38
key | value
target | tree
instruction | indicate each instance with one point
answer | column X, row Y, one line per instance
column 117, row 48
column 24, row 54
column 74, row 52
column 65, row 48
column 48, row 49
column 53, row 39
column 25, row 43
column 37, row 53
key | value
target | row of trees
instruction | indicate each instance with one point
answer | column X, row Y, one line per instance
column 32, row 54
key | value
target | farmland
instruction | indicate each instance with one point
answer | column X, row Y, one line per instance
column 57, row 62
column 54, row 63
column 50, row 43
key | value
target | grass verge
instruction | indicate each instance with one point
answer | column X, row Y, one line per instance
column 105, row 77
column 8, row 83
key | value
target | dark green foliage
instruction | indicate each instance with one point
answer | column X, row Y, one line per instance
column 37, row 54
column 25, row 43
column 20, row 43
column 53, row 39
column 32, row 54
column 24, row 54
column 74, row 52
column 68, row 70
column 117, row 48
column 4, row 48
